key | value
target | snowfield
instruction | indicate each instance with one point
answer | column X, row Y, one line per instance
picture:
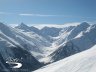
column 81, row 62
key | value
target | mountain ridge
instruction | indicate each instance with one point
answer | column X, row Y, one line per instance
column 46, row 45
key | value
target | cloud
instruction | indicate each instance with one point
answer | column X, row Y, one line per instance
column 13, row 25
column 46, row 15
column 26, row 14
column 65, row 16
column 40, row 26
column 39, row 15
column 5, row 13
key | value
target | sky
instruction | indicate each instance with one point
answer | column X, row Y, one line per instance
column 47, row 11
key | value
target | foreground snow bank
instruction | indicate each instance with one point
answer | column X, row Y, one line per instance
column 81, row 62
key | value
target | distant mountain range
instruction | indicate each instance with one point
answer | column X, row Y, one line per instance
column 34, row 47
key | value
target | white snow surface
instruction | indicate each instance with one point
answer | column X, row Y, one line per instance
column 81, row 62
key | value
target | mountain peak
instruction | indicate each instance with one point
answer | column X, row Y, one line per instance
column 84, row 24
column 22, row 26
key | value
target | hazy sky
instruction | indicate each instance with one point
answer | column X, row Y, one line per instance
column 47, row 11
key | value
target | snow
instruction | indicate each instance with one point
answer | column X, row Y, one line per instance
column 18, row 65
column 30, row 41
column 42, row 45
column 81, row 62
column 79, row 35
column 47, row 39
column 78, row 39
column 70, row 32
column 4, row 48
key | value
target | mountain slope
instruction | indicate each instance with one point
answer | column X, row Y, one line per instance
column 56, row 43
column 50, row 31
column 71, row 32
column 23, row 43
column 82, row 41
column 81, row 62
column 26, row 28
column 14, row 53
column 29, row 40
column 11, row 50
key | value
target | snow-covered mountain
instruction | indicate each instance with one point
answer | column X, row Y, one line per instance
column 81, row 62
column 75, row 40
column 41, row 39
column 12, row 53
column 71, row 32
column 58, row 43
column 46, row 32
column 26, row 28
column 11, row 50
column 29, row 40
column 48, row 44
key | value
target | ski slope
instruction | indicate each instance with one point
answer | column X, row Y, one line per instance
column 81, row 62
